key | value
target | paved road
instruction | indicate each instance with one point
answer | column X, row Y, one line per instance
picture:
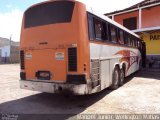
column 140, row 94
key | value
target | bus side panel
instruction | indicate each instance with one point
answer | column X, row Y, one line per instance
column 122, row 55
column 111, row 55
column 105, row 73
column 98, row 52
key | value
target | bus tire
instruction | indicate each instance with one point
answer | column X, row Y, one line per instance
column 115, row 79
column 122, row 76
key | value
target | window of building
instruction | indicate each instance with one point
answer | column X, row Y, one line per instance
column 110, row 17
column 130, row 23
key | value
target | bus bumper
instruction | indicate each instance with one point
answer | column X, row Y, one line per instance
column 51, row 87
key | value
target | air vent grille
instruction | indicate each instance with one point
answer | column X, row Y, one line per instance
column 72, row 59
column 22, row 59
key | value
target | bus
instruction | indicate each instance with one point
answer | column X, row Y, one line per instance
column 66, row 46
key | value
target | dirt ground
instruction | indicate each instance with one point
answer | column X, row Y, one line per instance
column 140, row 94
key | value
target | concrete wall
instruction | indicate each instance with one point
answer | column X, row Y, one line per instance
column 14, row 58
column 9, row 54
column 5, row 51
column 150, row 17
column 119, row 18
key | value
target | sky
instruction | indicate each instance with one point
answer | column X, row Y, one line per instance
column 12, row 11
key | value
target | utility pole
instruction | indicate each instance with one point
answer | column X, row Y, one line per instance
column 10, row 40
column 10, row 43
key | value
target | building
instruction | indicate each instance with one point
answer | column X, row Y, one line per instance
column 9, row 51
column 143, row 19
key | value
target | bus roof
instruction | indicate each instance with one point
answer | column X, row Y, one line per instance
column 90, row 10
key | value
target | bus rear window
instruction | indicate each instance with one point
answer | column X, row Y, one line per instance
column 49, row 13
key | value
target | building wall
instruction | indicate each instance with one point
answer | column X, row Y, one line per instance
column 4, row 54
column 5, row 51
column 9, row 54
column 14, row 58
column 151, row 17
column 152, row 40
column 119, row 18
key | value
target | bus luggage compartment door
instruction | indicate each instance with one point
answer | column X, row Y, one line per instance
column 46, row 63
column 105, row 74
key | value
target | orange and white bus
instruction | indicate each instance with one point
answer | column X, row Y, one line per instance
column 66, row 46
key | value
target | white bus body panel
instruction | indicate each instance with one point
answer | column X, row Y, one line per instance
column 105, row 74
column 110, row 56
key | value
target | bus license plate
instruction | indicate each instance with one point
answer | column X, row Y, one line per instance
column 44, row 75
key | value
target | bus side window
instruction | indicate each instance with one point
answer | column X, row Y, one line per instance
column 104, row 32
column 132, row 41
column 128, row 40
column 125, row 38
column 139, row 44
column 98, row 29
column 136, row 42
column 90, row 27
column 109, row 32
column 118, row 35
column 113, row 34
column 121, row 35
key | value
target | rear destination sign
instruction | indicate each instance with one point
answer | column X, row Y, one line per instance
column 28, row 56
column 59, row 56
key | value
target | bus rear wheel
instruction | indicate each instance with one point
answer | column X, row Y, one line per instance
column 121, row 78
column 115, row 79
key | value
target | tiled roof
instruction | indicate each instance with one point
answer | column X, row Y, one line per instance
column 141, row 4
